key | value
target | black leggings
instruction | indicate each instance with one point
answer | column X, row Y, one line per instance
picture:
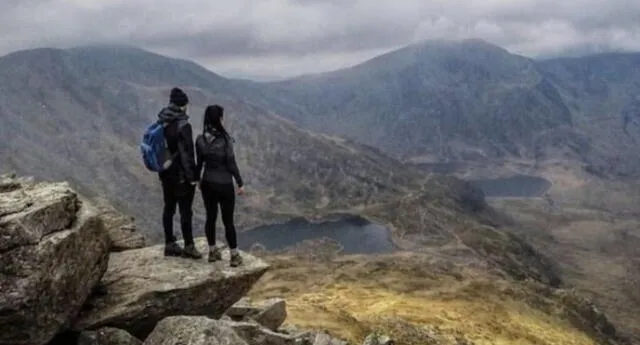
column 224, row 195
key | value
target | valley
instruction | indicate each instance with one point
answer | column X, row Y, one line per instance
column 436, row 178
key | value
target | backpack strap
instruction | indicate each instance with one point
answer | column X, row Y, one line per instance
column 180, row 123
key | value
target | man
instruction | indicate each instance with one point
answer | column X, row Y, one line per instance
column 180, row 179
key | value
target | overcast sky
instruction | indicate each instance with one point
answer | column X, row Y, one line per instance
column 267, row 38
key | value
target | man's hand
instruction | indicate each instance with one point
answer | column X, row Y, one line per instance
column 240, row 190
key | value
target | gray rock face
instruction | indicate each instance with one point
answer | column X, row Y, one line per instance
column 270, row 313
column 107, row 336
column 122, row 230
column 142, row 287
column 53, row 251
column 273, row 313
column 193, row 330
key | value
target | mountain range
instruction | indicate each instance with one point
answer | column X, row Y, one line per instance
column 347, row 142
column 471, row 101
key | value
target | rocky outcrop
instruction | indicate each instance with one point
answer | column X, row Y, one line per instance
column 107, row 336
column 255, row 334
column 200, row 330
column 270, row 313
column 142, row 287
column 122, row 230
column 259, row 324
column 193, row 330
column 53, row 251
column 67, row 279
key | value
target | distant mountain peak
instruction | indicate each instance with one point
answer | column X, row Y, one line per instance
column 111, row 48
column 458, row 42
column 90, row 48
column 465, row 46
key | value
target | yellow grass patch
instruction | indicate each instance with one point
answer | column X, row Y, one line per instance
column 351, row 311
column 356, row 299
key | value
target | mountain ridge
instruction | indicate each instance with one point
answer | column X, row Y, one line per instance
column 377, row 92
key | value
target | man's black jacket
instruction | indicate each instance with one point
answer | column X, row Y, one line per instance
column 179, row 136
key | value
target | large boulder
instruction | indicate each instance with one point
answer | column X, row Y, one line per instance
column 142, row 287
column 53, row 251
column 193, row 330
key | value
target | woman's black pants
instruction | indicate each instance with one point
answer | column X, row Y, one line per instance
column 214, row 194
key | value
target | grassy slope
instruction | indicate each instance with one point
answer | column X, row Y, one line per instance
column 419, row 301
column 597, row 251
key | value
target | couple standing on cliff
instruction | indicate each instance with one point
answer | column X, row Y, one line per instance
column 213, row 151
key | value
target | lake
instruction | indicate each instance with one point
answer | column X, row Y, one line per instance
column 356, row 235
column 514, row 186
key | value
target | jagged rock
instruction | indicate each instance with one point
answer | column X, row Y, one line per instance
column 377, row 339
column 323, row 338
column 193, row 330
column 10, row 183
column 270, row 313
column 254, row 334
column 53, row 251
column 107, row 336
column 122, row 230
column 142, row 287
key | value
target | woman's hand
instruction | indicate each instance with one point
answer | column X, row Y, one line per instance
column 240, row 190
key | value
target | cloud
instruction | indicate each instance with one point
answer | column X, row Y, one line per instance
column 286, row 37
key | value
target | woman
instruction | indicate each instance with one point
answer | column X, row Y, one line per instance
column 214, row 152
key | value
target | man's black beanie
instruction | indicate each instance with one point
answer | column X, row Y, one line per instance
column 178, row 97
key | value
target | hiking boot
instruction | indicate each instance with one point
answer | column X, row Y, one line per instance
column 191, row 252
column 214, row 255
column 173, row 249
column 235, row 260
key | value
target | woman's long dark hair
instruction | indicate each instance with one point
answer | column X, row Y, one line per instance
column 213, row 120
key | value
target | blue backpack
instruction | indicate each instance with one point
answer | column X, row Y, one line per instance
column 155, row 153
